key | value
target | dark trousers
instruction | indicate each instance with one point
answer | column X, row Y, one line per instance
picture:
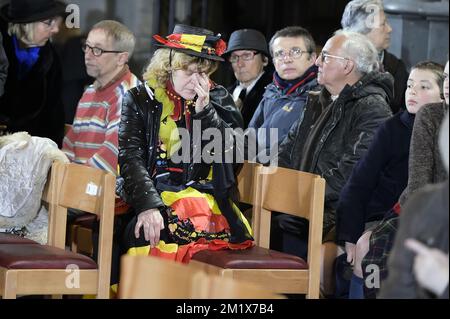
column 289, row 234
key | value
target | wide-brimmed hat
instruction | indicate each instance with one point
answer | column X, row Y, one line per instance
column 27, row 11
column 247, row 39
column 194, row 41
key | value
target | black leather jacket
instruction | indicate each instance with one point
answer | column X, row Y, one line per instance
column 139, row 135
column 331, row 144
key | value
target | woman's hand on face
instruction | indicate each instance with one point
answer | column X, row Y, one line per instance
column 201, row 87
column 153, row 223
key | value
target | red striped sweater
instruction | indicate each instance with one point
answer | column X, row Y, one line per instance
column 93, row 138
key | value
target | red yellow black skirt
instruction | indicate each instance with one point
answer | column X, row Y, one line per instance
column 193, row 222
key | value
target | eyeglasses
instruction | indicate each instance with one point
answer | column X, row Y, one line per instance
column 325, row 57
column 97, row 51
column 50, row 23
column 294, row 53
column 244, row 57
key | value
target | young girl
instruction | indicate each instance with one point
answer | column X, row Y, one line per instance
column 381, row 175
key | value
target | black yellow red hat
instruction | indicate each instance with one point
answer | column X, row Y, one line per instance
column 194, row 41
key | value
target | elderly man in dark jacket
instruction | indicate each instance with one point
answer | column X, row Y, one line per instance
column 329, row 143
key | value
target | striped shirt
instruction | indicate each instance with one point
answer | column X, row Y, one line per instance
column 93, row 139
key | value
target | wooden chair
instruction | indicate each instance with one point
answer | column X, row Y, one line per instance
column 283, row 190
column 30, row 269
column 246, row 187
column 147, row 277
column 245, row 181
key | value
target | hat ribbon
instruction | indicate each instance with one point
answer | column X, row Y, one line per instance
column 183, row 41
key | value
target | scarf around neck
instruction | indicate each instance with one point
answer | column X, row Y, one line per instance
column 27, row 57
column 289, row 86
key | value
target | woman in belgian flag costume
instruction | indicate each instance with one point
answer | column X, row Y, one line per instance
column 182, row 201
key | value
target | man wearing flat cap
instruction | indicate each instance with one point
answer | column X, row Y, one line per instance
column 249, row 56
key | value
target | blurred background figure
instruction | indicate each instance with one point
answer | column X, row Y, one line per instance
column 68, row 44
column 31, row 101
column 367, row 17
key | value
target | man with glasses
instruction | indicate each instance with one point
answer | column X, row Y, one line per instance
column 330, row 142
column 248, row 55
column 293, row 53
column 93, row 137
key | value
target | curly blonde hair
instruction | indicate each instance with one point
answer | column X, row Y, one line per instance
column 164, row 61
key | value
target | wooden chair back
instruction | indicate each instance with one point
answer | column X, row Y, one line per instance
column 78, row 187
column 147, row 277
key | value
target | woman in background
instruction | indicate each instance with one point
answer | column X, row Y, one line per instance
column 31, row 101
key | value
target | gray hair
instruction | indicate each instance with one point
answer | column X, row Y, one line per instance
column 123, row 38
column 357, row 15
column 361, row 50
column 443, row 142
column 23, row 31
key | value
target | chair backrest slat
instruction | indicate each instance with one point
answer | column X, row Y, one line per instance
column 87, row 189
column 288, row 191
column 296, row 193
column 246, row 182
column 81, row 188
column 157, row 278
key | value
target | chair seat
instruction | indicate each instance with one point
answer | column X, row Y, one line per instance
column 14, row 239
column 30, row 256
column 85, row 220
column 252, row 258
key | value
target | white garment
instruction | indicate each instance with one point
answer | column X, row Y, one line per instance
column 240, row 87
column 24, row 165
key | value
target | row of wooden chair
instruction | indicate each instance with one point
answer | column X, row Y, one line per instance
column 147, row 277
column 272, row 189
column 27, row 268
column 268, row 189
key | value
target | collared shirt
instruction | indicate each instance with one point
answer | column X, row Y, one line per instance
column 120, row 75
column 240, row 87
